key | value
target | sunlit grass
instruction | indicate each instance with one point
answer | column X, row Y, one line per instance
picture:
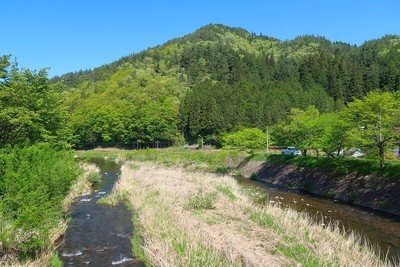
column 195, row 218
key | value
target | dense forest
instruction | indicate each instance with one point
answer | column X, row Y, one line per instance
column 221, row 79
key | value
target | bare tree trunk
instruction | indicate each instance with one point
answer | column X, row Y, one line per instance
column 317, row 152
column 381, row 156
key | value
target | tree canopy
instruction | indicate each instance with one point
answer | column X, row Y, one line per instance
column 221, row 79
column 30, row 106
column 376, row 122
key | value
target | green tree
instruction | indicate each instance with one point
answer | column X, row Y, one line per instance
column 158, row 122
column 333, row 137
column 249, row 138
column 376, row 119
column 301, row 129
column 4, row 63
column 30, row 107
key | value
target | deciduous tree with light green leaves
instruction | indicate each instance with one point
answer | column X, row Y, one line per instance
column 376, row 121
column 30, row 106
column 300, row 130
column 333, row 134
column 249, row 138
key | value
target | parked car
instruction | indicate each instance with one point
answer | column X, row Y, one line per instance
column 396, row 153
column 291, row 150
column 357, row 154
column 341, row 153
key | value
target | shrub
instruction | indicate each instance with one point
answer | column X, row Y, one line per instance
column 247, row 139
column 33, row 182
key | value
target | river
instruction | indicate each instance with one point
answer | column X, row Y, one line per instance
column 98, row 234
column 382, row 230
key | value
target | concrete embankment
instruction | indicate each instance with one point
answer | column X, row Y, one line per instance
column 373, row 191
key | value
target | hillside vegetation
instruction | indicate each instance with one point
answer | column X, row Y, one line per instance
column 221, row 79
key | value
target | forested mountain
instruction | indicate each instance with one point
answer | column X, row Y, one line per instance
column 220, row 79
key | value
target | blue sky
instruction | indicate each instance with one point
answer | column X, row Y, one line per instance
column 83, row 34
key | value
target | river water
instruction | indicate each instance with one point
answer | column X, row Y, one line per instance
column 98, row 234
column 382, row 230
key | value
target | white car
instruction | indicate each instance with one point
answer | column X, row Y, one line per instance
column 357, row 154
column 291, row 150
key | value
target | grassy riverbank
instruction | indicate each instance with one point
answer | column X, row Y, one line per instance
column 224, row 161
column 37, row 186
column 344, row 165
column 189, row 214
column 221, row 161
column 194, row 218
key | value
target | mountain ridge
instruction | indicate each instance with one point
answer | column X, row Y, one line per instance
column 220, row 79
column 243, row 32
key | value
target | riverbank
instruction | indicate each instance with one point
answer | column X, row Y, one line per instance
column 48, row 256
column 193, row 218
column 368, row 190
column 356, row 181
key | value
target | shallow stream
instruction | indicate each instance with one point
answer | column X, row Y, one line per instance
column 98, row 234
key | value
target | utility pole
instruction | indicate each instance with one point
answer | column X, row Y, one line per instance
column 267, row 140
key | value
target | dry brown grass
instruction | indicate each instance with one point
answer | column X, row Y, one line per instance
column 43, row 260
column 235, row 232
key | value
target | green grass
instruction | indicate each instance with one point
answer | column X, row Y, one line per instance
column 92, row 154
column 137, row 240
column 212, row 160
column 215, row 160
column 300, row 254
column 341, row 164
column 227, row 191
column 94, row 178
column 265, row 220
column 201, row 201
column 262, row 219
column 222, row 170
column 55, row 261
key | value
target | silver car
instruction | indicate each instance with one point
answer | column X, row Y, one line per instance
column 291, row 150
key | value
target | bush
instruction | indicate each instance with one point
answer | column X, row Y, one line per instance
column 33, row 182
column 250, row 138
